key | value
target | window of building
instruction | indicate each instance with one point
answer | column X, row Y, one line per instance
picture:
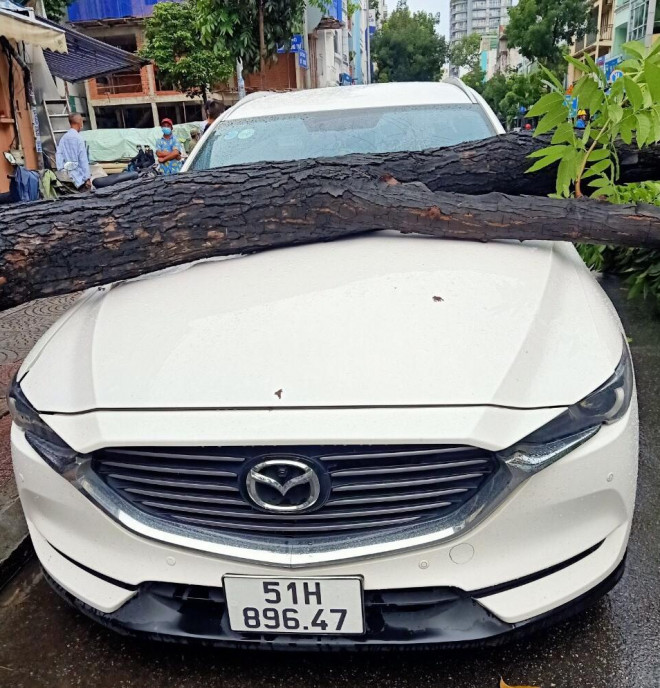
column 637, row 23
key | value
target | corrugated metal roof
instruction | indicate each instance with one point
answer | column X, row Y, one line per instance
column 87, row 57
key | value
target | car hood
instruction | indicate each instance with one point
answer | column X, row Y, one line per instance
column 380, row 320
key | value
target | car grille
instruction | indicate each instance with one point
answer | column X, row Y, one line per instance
column 372, row 488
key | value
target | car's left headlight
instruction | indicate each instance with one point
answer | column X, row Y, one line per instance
column 607, row 404
column 41, row 437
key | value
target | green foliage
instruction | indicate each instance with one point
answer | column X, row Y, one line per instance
column 407, row 47
column 55, row 9
column 476, row 78
column 233, row 26
column 466, row 52
column 539, row 28
column 629, row 108
column 173, row 42
column 506, row 93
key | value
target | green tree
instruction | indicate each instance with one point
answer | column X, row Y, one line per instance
column 539, row 28
column 55, row 9
column 173, row 42
column 407, row 47
column 506, row 94
column 466, row 52
column 251, row 30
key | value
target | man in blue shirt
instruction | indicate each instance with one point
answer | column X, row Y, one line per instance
column 168, row 149
column 71, row 149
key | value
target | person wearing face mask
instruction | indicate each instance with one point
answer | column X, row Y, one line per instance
column 168, row 149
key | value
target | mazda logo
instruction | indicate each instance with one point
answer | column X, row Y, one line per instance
column 283, row 485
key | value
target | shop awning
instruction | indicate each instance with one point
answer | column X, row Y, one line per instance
column 23, row 28
column 88, row 58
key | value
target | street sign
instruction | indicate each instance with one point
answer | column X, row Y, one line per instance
column 610, row 67
column 616, row 74
column 302, row 59
column 294, row 47
column 572, row 104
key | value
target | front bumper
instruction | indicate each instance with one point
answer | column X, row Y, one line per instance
column 509, row 571
column 395, row 619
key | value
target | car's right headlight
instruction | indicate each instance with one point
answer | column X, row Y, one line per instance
column 41, row 437
column 577, row 423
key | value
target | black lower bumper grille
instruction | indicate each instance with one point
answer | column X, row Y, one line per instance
column 364, row 488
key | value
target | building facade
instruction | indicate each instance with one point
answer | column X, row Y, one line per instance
column 617, row 22
column 338, row 44
column 483, row 17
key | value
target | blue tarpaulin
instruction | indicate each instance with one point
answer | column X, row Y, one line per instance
column 88, row 10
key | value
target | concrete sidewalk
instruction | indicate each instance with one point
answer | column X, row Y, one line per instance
column 20, row 328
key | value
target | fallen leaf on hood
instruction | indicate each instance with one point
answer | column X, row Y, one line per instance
column 506, row 685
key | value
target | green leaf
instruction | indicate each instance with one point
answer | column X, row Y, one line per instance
column 586, row 91
column 634, row 48
column 643, row 128
column 617, row 89
column 564, row 134
column 594, row 68
column 600, row 166
column 615, row 112
column 566, row 173
column 600, row 182
column 599, row 154
column 634, row 93
column 596, row 102
column 551, row 120
column 652, row 76
column 582, row 66
column 630, row 66
column 547, row 156
column 626, row 127
column 545, row 104
column 606, row 191
column 552, row 78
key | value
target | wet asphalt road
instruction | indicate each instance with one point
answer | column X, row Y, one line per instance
column 615, row 644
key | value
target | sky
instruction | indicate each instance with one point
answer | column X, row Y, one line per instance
column 432, row 6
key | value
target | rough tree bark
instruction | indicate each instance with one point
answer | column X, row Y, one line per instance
column 497, row 164
column 54, row 247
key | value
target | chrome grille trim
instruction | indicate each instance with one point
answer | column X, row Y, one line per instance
column 370, row 487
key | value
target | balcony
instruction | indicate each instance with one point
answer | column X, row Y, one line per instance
column 120, row 84
column 606, row 32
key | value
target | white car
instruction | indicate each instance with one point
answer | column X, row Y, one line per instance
column 382, row 441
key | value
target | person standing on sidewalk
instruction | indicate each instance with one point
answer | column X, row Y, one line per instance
column 71, row 149
column 168, row 149
column 213, row 110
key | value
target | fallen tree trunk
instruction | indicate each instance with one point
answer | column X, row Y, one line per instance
column 493, row 165
column 55, row 247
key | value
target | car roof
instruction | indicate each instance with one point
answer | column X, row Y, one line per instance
column 351, row 98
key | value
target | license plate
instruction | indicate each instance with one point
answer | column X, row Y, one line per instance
column 316, row 606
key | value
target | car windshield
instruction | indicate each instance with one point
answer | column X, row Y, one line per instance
column 341, row 132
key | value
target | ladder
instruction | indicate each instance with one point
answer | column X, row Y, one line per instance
column 57, row 113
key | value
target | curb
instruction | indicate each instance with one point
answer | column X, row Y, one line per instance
column 15, row 545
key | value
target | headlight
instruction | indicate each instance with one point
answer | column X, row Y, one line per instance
column 607, row 404
column 42, row 438
column 578, row 423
